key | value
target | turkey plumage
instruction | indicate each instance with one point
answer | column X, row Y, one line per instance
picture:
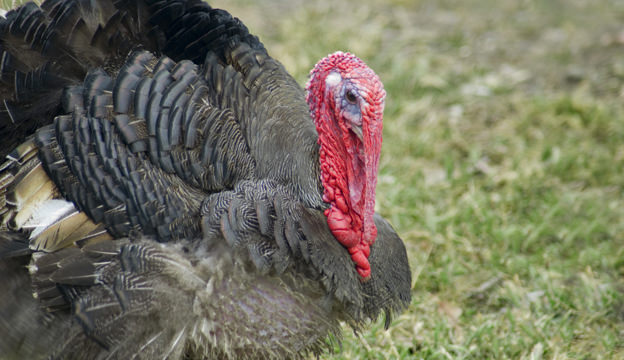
column 171, row 196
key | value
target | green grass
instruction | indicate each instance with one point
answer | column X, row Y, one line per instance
column 502, row 166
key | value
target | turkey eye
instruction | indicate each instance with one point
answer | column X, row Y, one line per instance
column 351, row 98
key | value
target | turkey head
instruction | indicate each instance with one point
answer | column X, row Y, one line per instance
column 346, row 100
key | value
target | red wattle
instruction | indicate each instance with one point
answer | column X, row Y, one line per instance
column 341, row 204
column 366, row 250
column 340, row 225
column 365, row 274
column 360, row 258
column 359, row 249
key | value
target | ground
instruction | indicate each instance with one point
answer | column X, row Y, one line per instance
column 502, row 166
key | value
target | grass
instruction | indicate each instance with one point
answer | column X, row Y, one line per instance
column 502, row 166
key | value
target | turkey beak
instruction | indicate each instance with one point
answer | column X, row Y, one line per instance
column 357, row 130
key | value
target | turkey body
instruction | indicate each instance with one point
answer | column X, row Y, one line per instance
column 161, row 193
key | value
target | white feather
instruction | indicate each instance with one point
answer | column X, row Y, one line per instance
column 333, row 79
column 48, row 213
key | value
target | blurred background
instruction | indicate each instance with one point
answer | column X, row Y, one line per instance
column 502, row 165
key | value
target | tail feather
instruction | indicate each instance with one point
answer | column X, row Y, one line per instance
column 34, row 217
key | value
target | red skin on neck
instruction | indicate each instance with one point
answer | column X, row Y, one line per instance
column 348, row 164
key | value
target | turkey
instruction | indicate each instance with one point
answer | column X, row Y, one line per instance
column 168, row 192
